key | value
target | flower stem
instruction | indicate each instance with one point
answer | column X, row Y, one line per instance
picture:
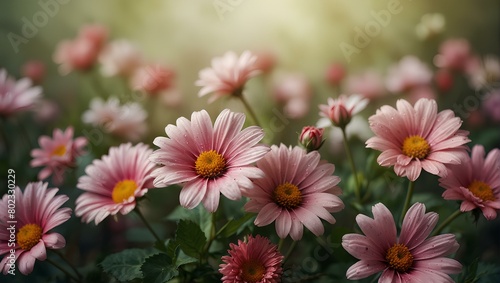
column 406, row 205
column 136, row 209
column 68, row 263
column 213, row 235
column 62, row 269
column 280, row 244
column 357, row 192
column 447, row 222
column 290, row 250
column 250, row 110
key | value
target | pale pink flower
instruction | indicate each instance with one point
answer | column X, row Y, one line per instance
column 475, row 182
column 491, row 105
column 152, row 79
column 369, row 84
column 208, row 160
column 16, row 96
column 120, row 58
column 80, row 53
column 115, row 182
column 298, row 189
column 454, row 54
column 311, row 138
column 38, row 210
column 408, row 74
column 411, row 257
column 228, row 75
column 256, row 260
column 484, row 73
column 335, row 73
column 57, row 154
column 46, row 111
column 127, row 121
column 295, row 92
column 341, row 110
column 412, row 138
column 34, row 70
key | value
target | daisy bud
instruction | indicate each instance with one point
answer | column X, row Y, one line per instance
column 311, row 138
column 335, row 74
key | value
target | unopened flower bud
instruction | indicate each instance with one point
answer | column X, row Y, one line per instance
column 311, row 138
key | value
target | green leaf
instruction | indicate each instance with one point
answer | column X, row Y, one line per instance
column 126, row 265
column 158, row 269
column 183, row 258
column 236, row 225
column 198, row 215
column 190, row 238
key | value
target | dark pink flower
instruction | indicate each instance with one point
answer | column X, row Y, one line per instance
column 454, row 54
column 152, row 79
column 38, row 210
column 411, row 257
column 34, row 70
column 335, row 74
column 475, row 182
column 256, row 260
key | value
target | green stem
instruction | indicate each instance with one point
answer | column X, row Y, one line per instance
column 406, row 205
column 68, row 263
column 250, row 110
column 447, row 222
column 136, row 209
column 280, row 244
column 353, row 165
column 290, row 250
column 62, row 269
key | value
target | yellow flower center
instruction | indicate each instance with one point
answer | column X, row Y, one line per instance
column 60, row 150
column 287, row 196
column 210, row 164
column 252, row 271
column 123, row 190
column 415, row 147
column 399, row 258
column 28, row 236
column 481, row 190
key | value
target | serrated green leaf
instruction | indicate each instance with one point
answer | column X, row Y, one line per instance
column 158, row 269
column 171, row 249
column 126, row 265
column 190, row 238
column 236, row 225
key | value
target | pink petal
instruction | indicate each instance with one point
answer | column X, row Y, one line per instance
column 268, row 214
column 417, row 225
column 437, row 246
column 192, row 193
column 440, row 264
column 363, row 269
column 283, row 224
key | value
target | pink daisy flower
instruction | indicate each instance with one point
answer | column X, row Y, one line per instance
column 57, row 154
column 475, row 182
column 411, row 257
column 16, row 96
column 298, row 189
column 416, row 138
column 208, row 160
column 38, row 210
column 407, row 74
column 340, row 111
column 228, row 75
column 152, row 79
column 114, row 182
column 257, row 261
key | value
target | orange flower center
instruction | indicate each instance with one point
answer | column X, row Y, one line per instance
column 252, row 271
column 399, row 258
column 210, row 164
column 28, row 236
column 287, row 196
column 123, row 190
column 481, row 190
column 415, row 147
column 60, row 150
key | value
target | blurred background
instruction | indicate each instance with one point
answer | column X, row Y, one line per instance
column 313, row 50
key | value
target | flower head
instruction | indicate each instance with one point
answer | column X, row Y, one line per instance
column 114, row 182
column 208, row 160
column 298, row 189
column 369, row 84
column 416, row 138
column 16, row 96
column 120, row 58
column 57, row 154
column 454, row 54
column 408, row 74
column 411, row 257
column 127, row 121
column 311, row 138
column 295, row 92
column 152, row 79
column 484, row 73
column 255, row 261
column 430, row 25
column 475, row 182
column 35, row 70
column 491, row 105
column 341, row 110
column 335, row 74
column 38, row 210
column 228, row 75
